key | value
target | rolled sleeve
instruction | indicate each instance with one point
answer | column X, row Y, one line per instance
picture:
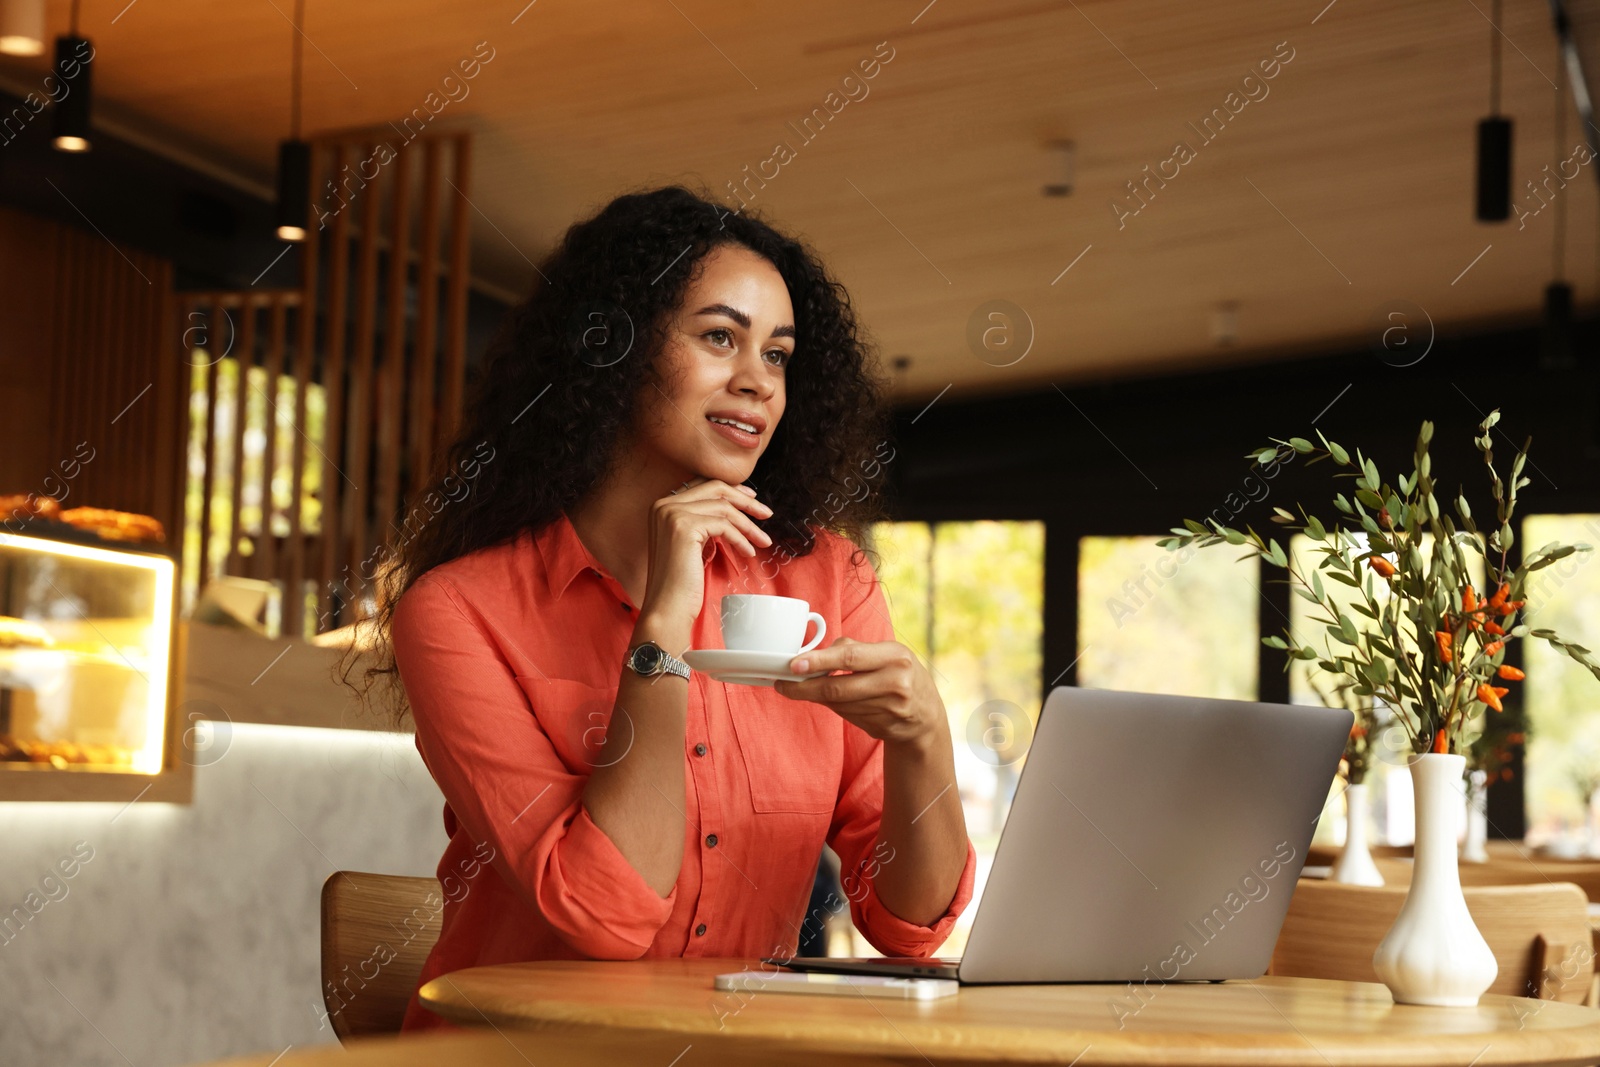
column 594, row 897
column 861, row 856
column 506, row 784
column 894, row 936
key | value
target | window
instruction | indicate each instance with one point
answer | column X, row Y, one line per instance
column 1563, row 699
column 1154, row 621
column 968, row 598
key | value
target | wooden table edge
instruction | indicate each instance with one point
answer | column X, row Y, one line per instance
column 1574, row 1046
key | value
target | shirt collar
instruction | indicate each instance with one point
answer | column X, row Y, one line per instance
column 565, row 556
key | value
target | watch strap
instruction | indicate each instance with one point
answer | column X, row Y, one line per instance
column 671, row 664
column 666, row 662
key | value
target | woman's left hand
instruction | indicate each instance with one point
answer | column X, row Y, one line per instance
column 888, row 692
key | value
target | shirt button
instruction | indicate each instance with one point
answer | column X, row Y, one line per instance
column 700, row 750
column 700, row 931
column 711, row 840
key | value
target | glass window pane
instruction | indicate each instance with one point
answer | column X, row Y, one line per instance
column 981, row 632
column 1154, row 621
column 1563, row 699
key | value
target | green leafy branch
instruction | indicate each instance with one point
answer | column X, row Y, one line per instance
column 1434, row 646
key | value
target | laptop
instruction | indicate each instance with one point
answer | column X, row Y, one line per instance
column 1150, row 837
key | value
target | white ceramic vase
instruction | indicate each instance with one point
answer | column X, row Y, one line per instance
column 1434, row 953
column 1474, row 846
column 1354, row 865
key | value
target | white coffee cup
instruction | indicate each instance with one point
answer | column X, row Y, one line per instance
column 755, row 623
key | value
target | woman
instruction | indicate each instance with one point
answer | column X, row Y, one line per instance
column 681, row 410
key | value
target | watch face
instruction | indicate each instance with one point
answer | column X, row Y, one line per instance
column 646, row 659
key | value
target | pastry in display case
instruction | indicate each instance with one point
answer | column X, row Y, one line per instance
column 86, row 639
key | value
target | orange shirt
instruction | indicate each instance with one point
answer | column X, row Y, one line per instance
column 511, row 657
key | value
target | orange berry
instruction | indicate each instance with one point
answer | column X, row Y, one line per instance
column 1468, row 599
column 1494, row 628
column 1492, row 647
column 1382, row 566
column 1510, row 673
column 1443, row 638
column 1490, row 696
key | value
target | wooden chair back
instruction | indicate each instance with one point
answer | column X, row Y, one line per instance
column 1514, row 870
column 1539, row 934
column 377, row 931
column 1505, row 869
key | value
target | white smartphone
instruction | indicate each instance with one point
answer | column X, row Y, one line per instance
column 849, row 985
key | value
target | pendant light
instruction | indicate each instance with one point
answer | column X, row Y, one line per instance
column 74, row 63
column 22, row 27
column 294, row 155
column 1494, row 141
column 1555, row 340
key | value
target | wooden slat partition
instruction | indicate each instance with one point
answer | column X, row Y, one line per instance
column 215, row 335
column 224, row 328
column 455, row 329
column 358, row 451
column 267, row 542
column 244, row 355
column 391, row 378
column 366, row 330
column 305, row 353
column 425, row 352
column 333, row 373
column 95, row 401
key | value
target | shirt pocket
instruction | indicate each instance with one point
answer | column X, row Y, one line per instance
column 576, row 717
column 793, row 752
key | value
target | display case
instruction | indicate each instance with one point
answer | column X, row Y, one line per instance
column 87, row 672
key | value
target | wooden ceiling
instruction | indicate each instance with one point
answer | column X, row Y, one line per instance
column 1347, row 186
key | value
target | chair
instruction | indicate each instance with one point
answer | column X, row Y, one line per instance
column 1539, row 934
column 1530, row 869
column 1506, row 868
column 377, row 930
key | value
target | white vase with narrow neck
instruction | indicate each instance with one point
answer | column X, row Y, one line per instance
column 1474, row 847
column 1354, row 865
column 1434, row 954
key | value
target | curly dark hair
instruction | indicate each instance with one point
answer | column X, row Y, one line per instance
column 564, row 376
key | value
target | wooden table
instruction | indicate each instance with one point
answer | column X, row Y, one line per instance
column 481, row 1047
column 1285, row 1022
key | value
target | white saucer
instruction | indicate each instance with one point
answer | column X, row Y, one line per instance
column 745, row 668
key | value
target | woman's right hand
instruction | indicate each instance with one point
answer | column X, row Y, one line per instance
column 680, row 525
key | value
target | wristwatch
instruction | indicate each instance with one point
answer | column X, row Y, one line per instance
column 650, row 659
